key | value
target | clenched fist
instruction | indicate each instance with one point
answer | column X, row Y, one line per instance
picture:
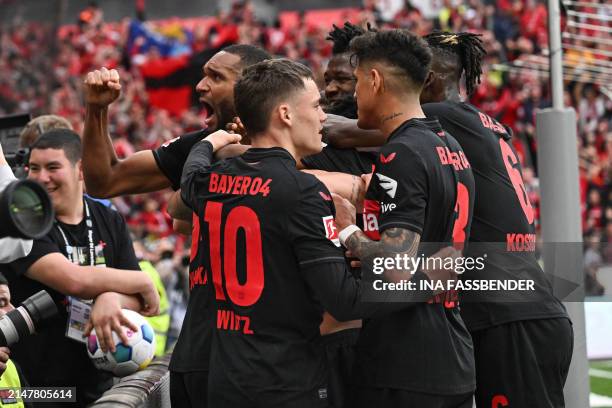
column 102, row 87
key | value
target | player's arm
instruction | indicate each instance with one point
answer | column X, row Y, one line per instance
column 231, row 150
column 105, row 175
column 343, row 133
column 177, row 209
column 199, row 161
column 87, row 282
column 351, row 187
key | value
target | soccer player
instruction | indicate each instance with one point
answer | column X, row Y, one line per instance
column 339, row 338
column 340, row 100
column 421, row 356
column 76, row 260
column 272, row 246
column 146, row 171
column 512, row 343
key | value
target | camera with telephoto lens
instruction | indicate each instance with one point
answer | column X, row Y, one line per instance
column 22, row 321
column 25, row 210
column 25, row 207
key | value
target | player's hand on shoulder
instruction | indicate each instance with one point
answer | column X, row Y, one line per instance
column 101, row 87
column 106, row 317
column 222, row 138
column 345, row 212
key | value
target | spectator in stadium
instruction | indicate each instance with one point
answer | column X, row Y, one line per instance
column 40, row 125
column 75, row 262
column 417, row 193
column 149, row 170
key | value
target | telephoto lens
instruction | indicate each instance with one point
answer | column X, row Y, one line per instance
column 22, row 321
column 25, row 210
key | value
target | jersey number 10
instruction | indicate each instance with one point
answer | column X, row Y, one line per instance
column 241, row 217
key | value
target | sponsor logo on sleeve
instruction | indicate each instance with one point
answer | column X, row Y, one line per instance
column 388, row 184
column 387, row 159
column 331, row 231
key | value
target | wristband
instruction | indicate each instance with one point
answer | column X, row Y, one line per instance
column 347, row 232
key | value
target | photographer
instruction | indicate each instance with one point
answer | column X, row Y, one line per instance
column 76, row 261
column 10, row 374
column 10, row 248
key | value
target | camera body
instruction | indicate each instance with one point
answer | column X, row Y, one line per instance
column 16, row 156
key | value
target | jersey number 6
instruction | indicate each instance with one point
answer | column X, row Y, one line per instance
column 517, row 180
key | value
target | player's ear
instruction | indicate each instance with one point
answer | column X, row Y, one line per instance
column 429, row 80
column 376, row 80
column 284, row 113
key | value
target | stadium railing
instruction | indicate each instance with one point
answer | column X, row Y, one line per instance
column 147, row 388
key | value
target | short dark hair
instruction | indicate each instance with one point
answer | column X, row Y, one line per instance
column 467, row 48
column 400, row 49
column 341, row 37
column 64, row 139
column 249, row 54
column 262, row 86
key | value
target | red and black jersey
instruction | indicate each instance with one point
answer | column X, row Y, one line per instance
column 263, row 224
column 192, row 350
column 502, row 215
column 425, row 348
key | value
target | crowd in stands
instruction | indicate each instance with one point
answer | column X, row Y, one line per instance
column 42, row 72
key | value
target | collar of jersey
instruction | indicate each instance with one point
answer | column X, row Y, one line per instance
column 259, row 153
column 429, row 123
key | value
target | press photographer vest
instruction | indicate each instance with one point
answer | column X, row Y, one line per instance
column 10, row 379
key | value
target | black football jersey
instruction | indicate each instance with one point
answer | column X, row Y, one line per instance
column 192, row 350
column 171, row 156
column 349, row 161
column 263, row 223
column 503, row 225
column 425, row 348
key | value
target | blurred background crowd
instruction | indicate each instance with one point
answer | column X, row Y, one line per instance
column 42, row 67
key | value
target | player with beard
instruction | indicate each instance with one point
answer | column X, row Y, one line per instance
column 150, row 170
column 511, row 340
column 421, row 356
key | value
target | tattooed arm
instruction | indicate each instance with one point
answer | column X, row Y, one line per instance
column 393, row 243
column 351, row 187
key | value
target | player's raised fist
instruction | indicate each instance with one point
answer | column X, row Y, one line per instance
column 101, row 87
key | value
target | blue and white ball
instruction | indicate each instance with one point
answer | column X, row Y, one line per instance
column 128, row 359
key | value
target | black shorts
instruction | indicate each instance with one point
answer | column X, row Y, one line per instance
column 226, row 393
column 368, row 397
column 340, row 355
column 189, row 389
column 523, row 364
